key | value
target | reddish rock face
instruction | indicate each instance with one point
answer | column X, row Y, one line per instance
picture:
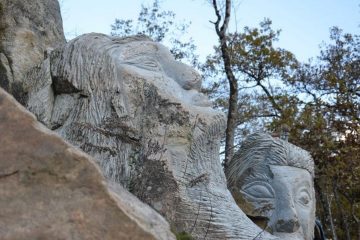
column 50, row 190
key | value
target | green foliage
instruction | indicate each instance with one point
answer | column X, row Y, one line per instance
column 162, row 27
column 2, row 22
column 183, row 236
column 254, row 55
column 260, row 69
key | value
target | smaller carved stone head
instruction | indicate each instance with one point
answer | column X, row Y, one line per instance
column 272, row 182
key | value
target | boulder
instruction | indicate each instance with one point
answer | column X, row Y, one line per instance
column 139, row 113
column 28, row 30
column 51, row 190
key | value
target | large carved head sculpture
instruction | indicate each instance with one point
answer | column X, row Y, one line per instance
column 272, row 182
column 140, row 114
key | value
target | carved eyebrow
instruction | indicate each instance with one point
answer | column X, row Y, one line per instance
column 303, row 189
column 137, row 54
column 258, row 176
column 303, row 183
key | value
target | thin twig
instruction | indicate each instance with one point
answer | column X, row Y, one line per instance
column 8, row 174
column 263, row 230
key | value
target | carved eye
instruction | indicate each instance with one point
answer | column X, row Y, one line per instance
column 144, row 62
column 303, row 197
column 258, row 190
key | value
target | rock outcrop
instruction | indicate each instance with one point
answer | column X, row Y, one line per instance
column 28, row 30
column 139, row 113
column 50, row 190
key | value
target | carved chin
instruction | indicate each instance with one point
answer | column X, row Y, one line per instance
column 299, row 235
column 294, row 236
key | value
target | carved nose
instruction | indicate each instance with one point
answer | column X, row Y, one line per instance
column 185, row 76
column 287, row 225
column 287, row 220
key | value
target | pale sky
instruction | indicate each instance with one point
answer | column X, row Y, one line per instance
column 304, row 23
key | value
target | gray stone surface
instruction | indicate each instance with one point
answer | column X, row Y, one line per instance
column 28, row 28
column 138, row 112
column 272, row 181
column 50, row 190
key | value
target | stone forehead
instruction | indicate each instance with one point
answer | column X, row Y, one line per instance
column 102, row 42
column 145, row 48
column 139, row 44
column 134, row 38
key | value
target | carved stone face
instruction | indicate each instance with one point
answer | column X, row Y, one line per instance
column 285, row 198
column 154, row 62
column 272, row 181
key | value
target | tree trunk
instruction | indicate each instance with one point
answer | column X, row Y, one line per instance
column 356, row 219
column 231, row 123
column 343, row 218
column 332, row 226
column 326, row 204
column 233, row 85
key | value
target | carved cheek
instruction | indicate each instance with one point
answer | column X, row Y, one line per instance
column 305, row 205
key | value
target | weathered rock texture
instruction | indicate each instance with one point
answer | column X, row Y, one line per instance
column 138, row 112
column 28, row 29
column 50, row 190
